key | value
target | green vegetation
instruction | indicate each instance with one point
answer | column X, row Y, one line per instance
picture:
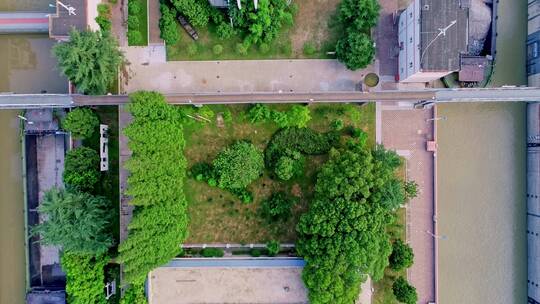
column 90, row 60
column 355, row 48
column 167, row 25
column 81, row 122
column 85, row 277
column 404, row 292
column 82, row 168
column 212, row 252
column 104, row 17
column 277, row 207
column 343, row 236
column 411, row 189
column 157, row 168
column 273, row 248
column 77, row 221
column 296, row 116
column 134, row 295
column 137, row 32
column 402, row 256
column 238, row 165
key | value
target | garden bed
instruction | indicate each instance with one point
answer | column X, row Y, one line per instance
column 216, row 215
column 141, row 26
column 312, row 36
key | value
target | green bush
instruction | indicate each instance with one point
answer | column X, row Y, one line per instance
column 402, row 256
column 196, row 11
column 361, row 15
column 167, row 25
column 285, row 168
column 113, row 1
column 85, row 277
column 259, row 113
column 255, row 252
column 224, row 31
column 206, row 112
column 192, row 49
column 298, row 116
column 238, row 165
column 133, row 23
column 133, row 7
column 157, row 170
column 264, row 48
column 202, row 171
column 77, row 221
column 337, row 124
column 217, row 49
column 212, row 252
column 404, row 292
column 243, row 194
column 227, row 116
column 355, row 50
column 411, row 189
column 277, row 207
column 103, row 9
column 81, row 122
column 273, row 248
column 134, row 295
column 134, row 37
column 82, row 168
column 309, row 48
column 241, row 49
column 104, row 23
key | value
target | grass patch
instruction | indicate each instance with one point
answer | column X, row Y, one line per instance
column 142, row 15
column 313, row 24
column 217, row 215
column 109, row 184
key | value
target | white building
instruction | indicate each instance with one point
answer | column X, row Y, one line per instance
column 432, row 36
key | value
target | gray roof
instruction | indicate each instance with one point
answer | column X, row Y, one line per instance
column 441, row 50
column 46, row 297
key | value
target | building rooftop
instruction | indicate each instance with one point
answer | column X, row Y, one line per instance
column 61, row 23
column 443, row 34
column 472, row 68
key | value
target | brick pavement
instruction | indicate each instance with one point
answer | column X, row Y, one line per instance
column 405, row 130
column 154, row 14
column 119, row 20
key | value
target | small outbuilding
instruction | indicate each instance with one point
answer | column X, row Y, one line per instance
column 473, row 68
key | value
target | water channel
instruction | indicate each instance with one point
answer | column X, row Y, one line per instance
column 26, row 66
column 481, row 162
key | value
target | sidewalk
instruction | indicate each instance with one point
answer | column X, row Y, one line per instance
column 405, row 130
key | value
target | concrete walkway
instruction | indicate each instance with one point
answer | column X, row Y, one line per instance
column 149, row 70
column 404, row 129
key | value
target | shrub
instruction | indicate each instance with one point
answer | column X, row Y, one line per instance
column 217, row 49
column 243, row 194
column 273, row 248
column 85, row 277
column 241, row 49
column 277, row 207
column 264, row 48
column 104, row 23
column 204, row 170
column 134, row 295
column 309, row 48
column 212, row 252
column 133, row 22
column 359, row 14
column 77, row 221
column 90, row 60
column 255, row 252
column 133, row 7
column 82, row 168
column 81, row 122
column 227, row 116
column 280, row 118
column 113, row 1
column 259, row 113
column 298, row 116
column 206, row 112
column 167, row 25
column 355, row 50
column 411, row 189
column 103, row 9
column 192, row 49
column 356, row 132
column 196, row 11
column 402, row 256
column 134, row 37
column 404, row 292
column 224, row 31
column 337, row 125
column 238, row 165
column 285, row 168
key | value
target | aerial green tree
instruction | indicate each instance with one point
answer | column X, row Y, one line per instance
column 168, row 26
column 85, row 277
column 404, row 292
column 343, row 235
column 355, row 50
column 157, row 169
column 277, row 207
column 402, row 256
column 90, row 60
column 361, row 14
column 238, row 165
column 273, row 248
column 81, row 168
column 81, row 122
column 259, row 113
column 196, row 11
column 298, row 116
column 285, row 168
column 77, row 221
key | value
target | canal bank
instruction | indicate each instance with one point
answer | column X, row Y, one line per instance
column 481, row 164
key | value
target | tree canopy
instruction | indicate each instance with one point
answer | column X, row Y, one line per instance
column 157, row 170
column 404, row 292
column 81, row 168
column 85, row 277
column 167, row 24
column 81, row 122
column 343, row 235
column 77, row 221
column 238, row 165
column 355, row 50
column 402, row 256
column 90, row 60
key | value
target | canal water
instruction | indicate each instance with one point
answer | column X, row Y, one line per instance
column 481, row 163
column 26, row 66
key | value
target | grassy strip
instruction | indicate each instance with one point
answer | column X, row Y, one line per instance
column 143, row 23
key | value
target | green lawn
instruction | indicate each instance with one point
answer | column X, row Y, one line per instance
column 216, row 215
column 109, row 185
column 143, row 23
column 314, row 23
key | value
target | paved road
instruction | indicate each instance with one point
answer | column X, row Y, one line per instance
column 405, row 130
